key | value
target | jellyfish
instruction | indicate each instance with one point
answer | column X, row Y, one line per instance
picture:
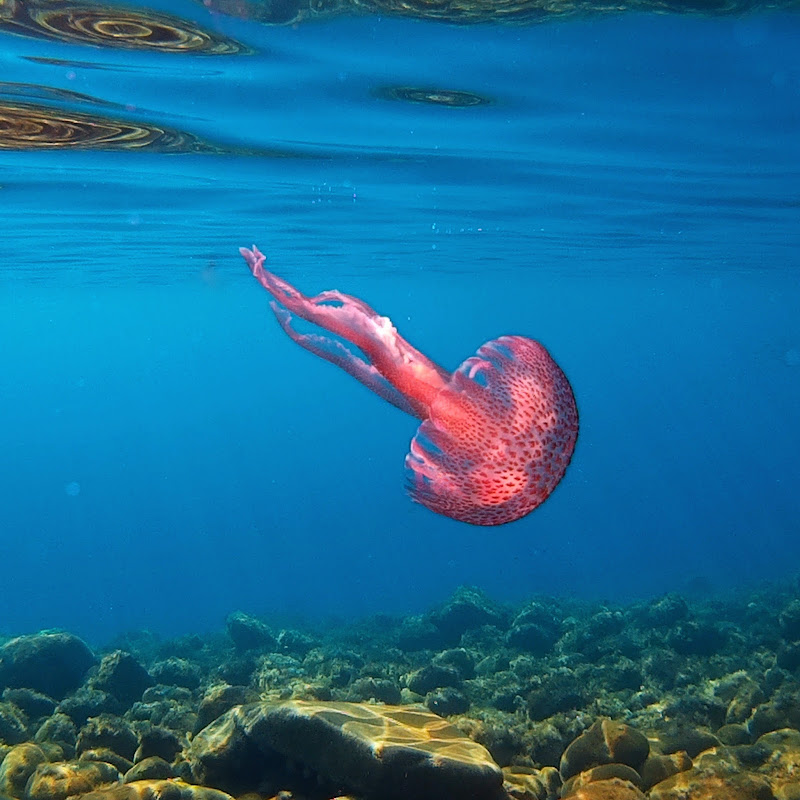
column 497, row 434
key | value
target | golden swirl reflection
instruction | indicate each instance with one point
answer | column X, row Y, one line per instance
column 279, row 12
column 29, row 126
column 453, row 98
column 110, row 26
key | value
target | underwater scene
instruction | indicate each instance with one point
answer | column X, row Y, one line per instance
column 533, row 532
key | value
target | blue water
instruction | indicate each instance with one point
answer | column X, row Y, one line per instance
column 630, row 196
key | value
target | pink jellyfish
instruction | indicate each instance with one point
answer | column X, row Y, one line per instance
column 496, row 435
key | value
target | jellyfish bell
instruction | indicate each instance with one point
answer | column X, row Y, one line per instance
column 496, row 435
column 499, row 436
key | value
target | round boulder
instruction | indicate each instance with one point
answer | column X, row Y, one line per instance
column 605, row 742
column 51, row 663
column 123, row 677
column 18, row 766
column 65, row 779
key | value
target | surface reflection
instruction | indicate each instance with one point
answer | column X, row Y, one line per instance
column 31, row 126
column 475, row 11
column 108, row 26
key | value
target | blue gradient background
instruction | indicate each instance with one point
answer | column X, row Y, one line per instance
column 630, row 198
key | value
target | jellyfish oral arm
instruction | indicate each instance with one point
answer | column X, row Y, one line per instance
column 393, row 369
column 334, row 351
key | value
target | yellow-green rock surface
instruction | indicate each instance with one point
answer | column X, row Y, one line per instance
column 386, row 752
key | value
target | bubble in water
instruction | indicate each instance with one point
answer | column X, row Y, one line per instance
column 73, row 488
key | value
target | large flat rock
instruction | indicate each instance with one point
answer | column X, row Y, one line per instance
column 375, row 751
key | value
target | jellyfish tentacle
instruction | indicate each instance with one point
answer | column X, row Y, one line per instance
column 335, row 296
column 334, row 351
column 282, row 291
column 412, row 374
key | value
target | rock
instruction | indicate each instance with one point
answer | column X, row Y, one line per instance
column 65, row 779
column 696, row 639
column 684, row 737
column 613, row 789
column 531, row 638
column 249, row 633
column 18, row 766
column 483, row 640
column 492, row 664
column 661, row 667
column 35, row 704
column 165, row 707
column 157, row 741
column 173, row 694
column 781, row 767
column 605, row 742
column 13, row 729
column 174, row 717
column 446, row 702
column 789, row 621
column 769, row 717
column 157, row 790
column 788, row 656
column 238, row 670
column 561, row 691
column 733, row 734
column 59, row 729
column 774, row 678
column 534, row 630
column 747, row 697
column 341, row 673
column 433, row 677
column 604, row 772
column 123, row 677
column 177, row 672
column 782, row 711
column 419, row 633
column 537, row 613
column 380, row 689
column 747, row 756
column 86, row 703
column 547, row 742
column 658, row 767
column 459, row 659
column 527, row 783
column 111, row 732
column 152, row 768
column 468, row 609
column 386, row 752
column 218, row 699
column 698, row 785
column 108, row 756
column 628, row 643
column 312, row 691
column 295, row 643
column 502, row 741
column 51, row 663
column 508, row 699
column 605, row 623
column 622, row 674
column 717, row 774
column 697, row 708
column 667, row 611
